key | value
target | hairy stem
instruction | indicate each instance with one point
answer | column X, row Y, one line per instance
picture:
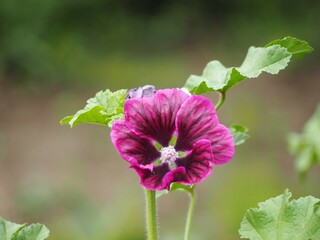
column 151, row 215
column 192, row 204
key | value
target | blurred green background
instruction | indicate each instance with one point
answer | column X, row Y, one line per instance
column 55, row 54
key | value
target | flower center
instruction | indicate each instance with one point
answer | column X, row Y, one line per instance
column 168, row 155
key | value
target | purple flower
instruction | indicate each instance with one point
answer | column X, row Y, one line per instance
column 201, row 141
column 145, row 91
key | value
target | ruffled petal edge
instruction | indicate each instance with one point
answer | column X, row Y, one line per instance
column 158, row 177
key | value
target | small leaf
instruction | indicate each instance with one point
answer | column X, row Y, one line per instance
column 239, row 134
column 295, row 143
column 8, row 229
column 32, row 232
column 305, row 160
column 305, row 147
column 105, row 108
column 270, row 59
column 298, row 48
column 277, row 218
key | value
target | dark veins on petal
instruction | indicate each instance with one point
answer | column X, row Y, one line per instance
column 143, row 151
column 190, row 131
column 198, row 163
column 132, row 146
column 157, row 116
column 195, row 121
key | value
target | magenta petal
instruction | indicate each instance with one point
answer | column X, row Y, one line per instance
column 158, row 178
column 196, row 120
column 198, row 163
column 132, row 147
column 154, row 117
column 222, row 144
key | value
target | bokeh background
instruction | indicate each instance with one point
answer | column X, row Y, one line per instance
column 55, row 54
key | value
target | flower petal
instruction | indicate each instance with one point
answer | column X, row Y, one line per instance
column 158, row 178
column 132, row 147
column 197, row 164
column 154, row 117
column 195, row 120
column 222, row 144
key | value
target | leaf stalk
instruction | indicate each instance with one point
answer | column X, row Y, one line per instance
column 221, row 100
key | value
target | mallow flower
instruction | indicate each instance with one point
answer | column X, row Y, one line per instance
column 171, row 136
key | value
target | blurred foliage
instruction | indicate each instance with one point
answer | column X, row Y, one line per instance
column 70, row 213
column 305, row 147
column 62, row 41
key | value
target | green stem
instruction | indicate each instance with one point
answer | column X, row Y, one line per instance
column 221, row 100
column 192, row 204
column 151, row 215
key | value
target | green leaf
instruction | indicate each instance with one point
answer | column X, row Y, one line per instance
column 215, row 77
column 8, row 229
column 305, row 147
column 198, row 85
column 272, row 58
column 13, row 231
column 298, row 48
column 239, row 134
column 32, row 232
column 235, row 78
column 105, row 108
column 277, row 218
